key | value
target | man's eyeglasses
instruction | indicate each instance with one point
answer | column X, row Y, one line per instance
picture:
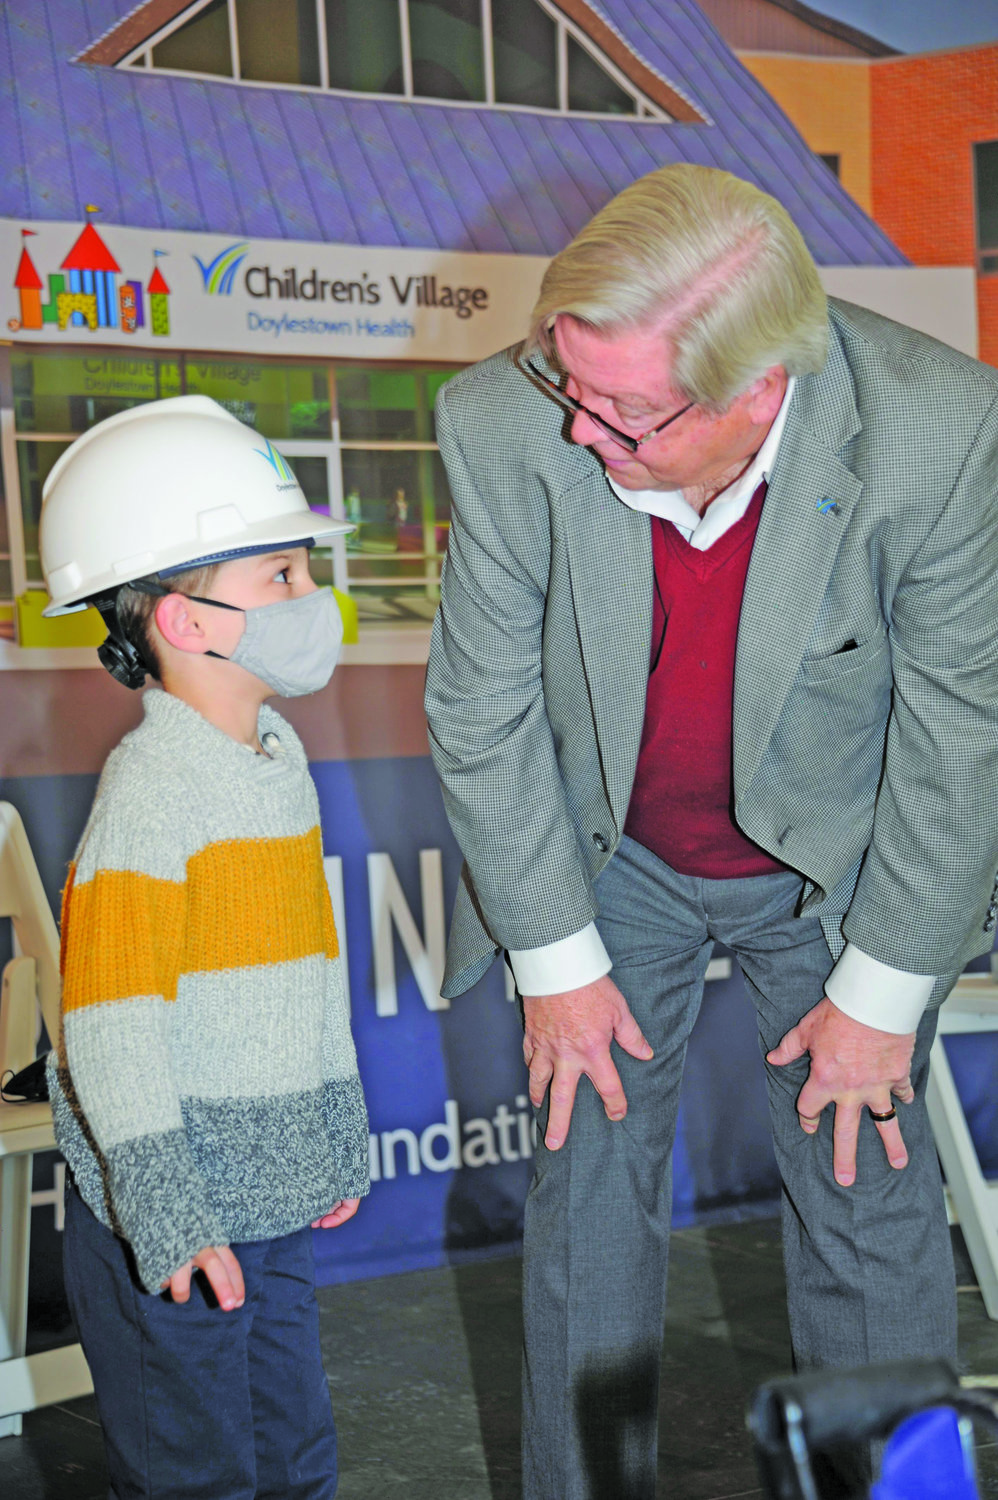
column 632, row 444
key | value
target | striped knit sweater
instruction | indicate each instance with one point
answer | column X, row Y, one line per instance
column 205, row 1086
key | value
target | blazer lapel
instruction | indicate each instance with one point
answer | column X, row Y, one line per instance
column 808, row 504
column 610, row 563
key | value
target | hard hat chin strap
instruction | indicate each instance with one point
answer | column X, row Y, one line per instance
column 117, row 653
column 157, row 591
column 124, row 658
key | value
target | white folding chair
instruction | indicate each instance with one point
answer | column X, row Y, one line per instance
column 30, row 980
column 972, row 1007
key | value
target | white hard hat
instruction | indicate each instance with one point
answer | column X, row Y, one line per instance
column 165, row 484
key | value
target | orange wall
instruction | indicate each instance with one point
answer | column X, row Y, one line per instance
column 926, row 113
column 829, row 102
column 987, row 318
column 904, row 129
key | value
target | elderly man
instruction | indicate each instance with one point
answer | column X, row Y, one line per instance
column 716, row 660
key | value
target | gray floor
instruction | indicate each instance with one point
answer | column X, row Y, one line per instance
column 424, row 1370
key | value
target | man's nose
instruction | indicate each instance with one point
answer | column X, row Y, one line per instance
column 584, row 430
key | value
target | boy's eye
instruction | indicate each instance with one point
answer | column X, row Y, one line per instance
column 284, row 575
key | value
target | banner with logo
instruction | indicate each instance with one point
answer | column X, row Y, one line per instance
column 451, row 1142
column 109, row 284
column 451, row 1132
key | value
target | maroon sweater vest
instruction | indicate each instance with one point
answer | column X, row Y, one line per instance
column 681, row 805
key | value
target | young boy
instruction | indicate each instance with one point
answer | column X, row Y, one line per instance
column 205, row 1086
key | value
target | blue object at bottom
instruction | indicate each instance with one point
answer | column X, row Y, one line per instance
column 925, row 1459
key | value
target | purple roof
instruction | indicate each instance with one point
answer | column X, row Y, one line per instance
column 159, row 151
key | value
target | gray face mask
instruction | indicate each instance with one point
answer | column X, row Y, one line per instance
column 292, row 646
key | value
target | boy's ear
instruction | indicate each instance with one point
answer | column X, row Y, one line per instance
column 179, row 626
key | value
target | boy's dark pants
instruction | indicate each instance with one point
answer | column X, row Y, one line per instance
column 195, row 1402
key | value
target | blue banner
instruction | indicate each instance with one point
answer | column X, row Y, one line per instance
column 451, row 1129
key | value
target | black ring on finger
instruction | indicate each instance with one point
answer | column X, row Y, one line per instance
column 880, row 1119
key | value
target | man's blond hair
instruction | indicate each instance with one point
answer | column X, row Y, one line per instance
column 714, row 263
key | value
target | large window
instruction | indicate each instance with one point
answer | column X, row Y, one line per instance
column 986, row 195
column 364, row 46
column 204, row 45
column 56, row 397
column 395, row 489
column 281, row 400
column 360, row 438
column 519, row 53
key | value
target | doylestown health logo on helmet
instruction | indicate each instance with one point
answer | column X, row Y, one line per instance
column 279, row 465
column 219, row 274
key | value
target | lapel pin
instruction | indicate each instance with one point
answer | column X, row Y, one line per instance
column 827, row 506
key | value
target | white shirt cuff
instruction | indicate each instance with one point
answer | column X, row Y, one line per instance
column 877, row 995
column 567, row 964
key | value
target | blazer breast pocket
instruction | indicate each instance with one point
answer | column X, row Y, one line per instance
column 830, row 736
column 853, row 658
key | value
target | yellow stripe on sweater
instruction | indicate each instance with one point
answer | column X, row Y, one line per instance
column 258, row 901
column 122, row 936
column 246, row 902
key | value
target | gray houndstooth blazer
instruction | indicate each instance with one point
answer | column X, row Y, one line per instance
column 873, row 770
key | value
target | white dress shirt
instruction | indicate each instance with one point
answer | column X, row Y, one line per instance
column 865, row 989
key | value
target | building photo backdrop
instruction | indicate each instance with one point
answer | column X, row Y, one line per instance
column 315, row 211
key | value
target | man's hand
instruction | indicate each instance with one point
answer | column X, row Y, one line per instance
column 852, row 1066
column 342, row 1209
column 224, row 1276
column 569, row 1034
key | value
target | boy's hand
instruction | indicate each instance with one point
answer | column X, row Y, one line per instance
column 338, row 1214
column 224, row 1277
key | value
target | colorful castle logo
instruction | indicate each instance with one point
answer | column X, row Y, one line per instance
column 89, row 294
